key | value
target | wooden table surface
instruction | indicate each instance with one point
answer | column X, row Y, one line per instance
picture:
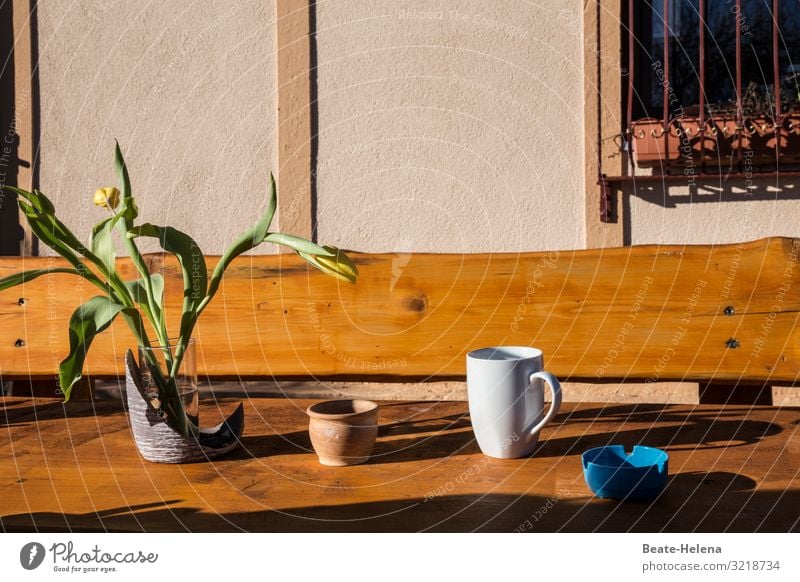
column 75, row 467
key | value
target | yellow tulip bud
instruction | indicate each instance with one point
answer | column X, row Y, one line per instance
column 339, row 265
column 107, row 197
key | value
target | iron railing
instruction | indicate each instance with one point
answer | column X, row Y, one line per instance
column 706, row 137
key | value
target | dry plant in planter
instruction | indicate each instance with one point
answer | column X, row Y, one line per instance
column 163, row 429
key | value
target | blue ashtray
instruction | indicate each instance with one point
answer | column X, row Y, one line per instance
column 612, row 473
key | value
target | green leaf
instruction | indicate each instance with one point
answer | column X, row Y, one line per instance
column 43, row 227
column 129, row 212
column 190, row 257
column 61, row 230
column 193, row 265
column 86, row 322
column 25, row 276
column 138, row 291
column 102, row 243
column 56, row 234
column 128, row 208
column 36, row 199
column 253, row 237
column 298, row 244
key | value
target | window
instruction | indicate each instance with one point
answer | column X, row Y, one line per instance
column 713, row 82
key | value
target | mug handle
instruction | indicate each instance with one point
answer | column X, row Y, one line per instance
column 555, row 404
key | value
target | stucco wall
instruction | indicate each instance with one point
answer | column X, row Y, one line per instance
column 450, row 126
column 188, row 89
column 443, row 126
column 714, row 211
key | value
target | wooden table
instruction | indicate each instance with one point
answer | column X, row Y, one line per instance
column 75, row 467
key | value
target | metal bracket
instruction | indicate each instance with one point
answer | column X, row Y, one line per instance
column 606, row 200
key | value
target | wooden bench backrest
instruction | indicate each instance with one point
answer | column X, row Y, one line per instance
column 652, row 312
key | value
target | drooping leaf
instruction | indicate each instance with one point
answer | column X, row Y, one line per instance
column 54, row 233
column 253, row 237
column 297, row 244
column 86, row 322
column 36, row 199
column 190, row 257
column 42, row 227
column 138, row 291
column 25, row 276
column 46, row 208
column 193, row 266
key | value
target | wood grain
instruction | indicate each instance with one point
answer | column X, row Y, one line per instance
column 652, row 313
column 733, row 468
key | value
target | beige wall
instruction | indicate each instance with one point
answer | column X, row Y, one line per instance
column 444, row 126
column 450, row 126
column 714, row 211
column 188, row 89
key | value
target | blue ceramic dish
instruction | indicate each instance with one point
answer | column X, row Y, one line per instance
column 612, row 473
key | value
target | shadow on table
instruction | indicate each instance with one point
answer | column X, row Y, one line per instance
column 674, row 427
column 431, row 438
column 704, row 502
column 643, row 412
column 53, row 409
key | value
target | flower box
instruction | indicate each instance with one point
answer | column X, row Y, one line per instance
column 718, row 144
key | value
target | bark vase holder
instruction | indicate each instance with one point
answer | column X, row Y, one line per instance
column 160, row 443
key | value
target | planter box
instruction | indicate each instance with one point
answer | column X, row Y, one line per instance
column 687, row 147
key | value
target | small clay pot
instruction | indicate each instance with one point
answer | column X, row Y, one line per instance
column 343, row 432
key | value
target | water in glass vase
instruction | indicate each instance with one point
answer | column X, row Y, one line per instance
column 163, row 356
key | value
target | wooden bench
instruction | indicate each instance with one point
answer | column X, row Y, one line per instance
column 653, row 313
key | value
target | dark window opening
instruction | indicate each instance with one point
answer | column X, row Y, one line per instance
column 721, row 20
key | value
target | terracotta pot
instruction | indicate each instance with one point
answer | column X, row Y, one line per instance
column 758, row 143
column 343, row 432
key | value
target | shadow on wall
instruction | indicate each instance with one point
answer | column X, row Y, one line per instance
column 19, row 111
column 10, row 232
column 707, row 190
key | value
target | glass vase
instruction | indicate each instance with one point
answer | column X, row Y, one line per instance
column 185, row 380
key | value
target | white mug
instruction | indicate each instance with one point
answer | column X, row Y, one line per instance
column 506, row 399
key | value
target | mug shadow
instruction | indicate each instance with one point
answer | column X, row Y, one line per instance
column 714, row 430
